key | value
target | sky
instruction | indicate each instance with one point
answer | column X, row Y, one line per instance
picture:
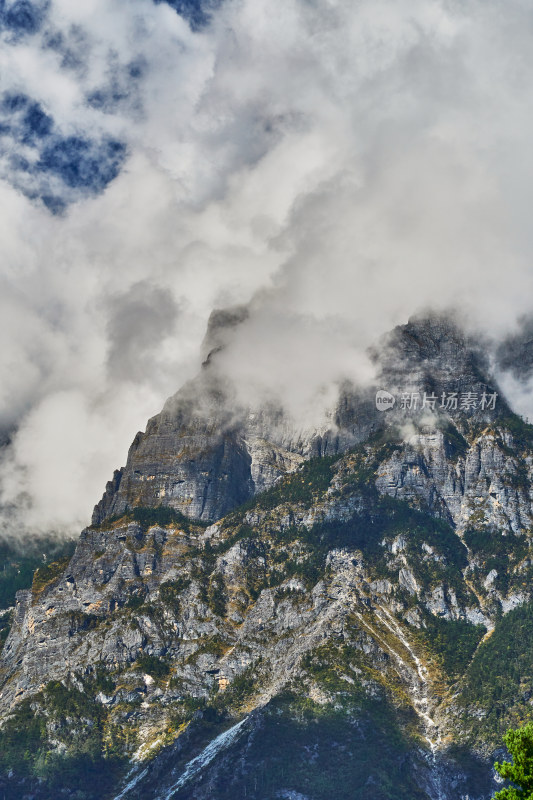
column 337, row 166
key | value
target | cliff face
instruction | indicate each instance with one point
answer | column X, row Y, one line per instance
column 375, row 599
column 204, row 454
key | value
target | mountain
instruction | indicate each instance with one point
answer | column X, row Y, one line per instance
column 204, row 454
column 259, row 611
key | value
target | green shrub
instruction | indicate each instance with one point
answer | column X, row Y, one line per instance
column 213, row 645
column 135, row 602
column 454, row 642
column 6, row 621
column 102, row 681
column 497, row 551
column 170, row 592
column 302, row 486
column 21, row 738
column 519, row 771
column 158, row 668
column 80, row 621
column 49, row 573
column 163, row 516
column 217, row 596
column 521, row 431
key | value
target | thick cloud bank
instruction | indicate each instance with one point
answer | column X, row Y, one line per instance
column 336, row 165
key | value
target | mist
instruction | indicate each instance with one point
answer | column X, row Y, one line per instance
column 335, row 167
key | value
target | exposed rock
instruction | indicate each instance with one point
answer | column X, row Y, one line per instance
column 204, row 454
column 340, row 590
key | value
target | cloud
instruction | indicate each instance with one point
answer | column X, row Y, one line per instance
column 335, row 167
column 139, row 321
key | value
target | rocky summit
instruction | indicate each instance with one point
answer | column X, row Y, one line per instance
column 261, row 611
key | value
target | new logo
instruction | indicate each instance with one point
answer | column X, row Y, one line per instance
column 384, row 400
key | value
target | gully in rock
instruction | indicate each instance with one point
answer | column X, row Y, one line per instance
column 421, row 690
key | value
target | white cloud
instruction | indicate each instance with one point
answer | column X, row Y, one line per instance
column 343, row 164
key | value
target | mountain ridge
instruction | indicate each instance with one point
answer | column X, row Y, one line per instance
column 352, row 602
column 205, row 453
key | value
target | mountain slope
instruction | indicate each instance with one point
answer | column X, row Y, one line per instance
column 373, row 600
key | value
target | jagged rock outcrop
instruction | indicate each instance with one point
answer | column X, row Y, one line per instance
column 485, row 484
column 204, row 454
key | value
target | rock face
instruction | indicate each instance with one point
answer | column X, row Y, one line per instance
column 198, row 464
column 488, row 483
column 364, row 599
column 204, row 455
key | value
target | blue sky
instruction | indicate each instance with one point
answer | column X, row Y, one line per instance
column 45, row 162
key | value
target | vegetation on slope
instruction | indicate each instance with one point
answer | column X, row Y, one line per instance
column 146, row 516
column 322, row 752
column 498, row 684
column 77, row 760
column 19, row 562
column 494, row 550
column 451, row 642
column 362, row 704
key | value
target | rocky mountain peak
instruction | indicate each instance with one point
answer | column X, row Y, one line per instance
column 220, row 329
column 204, row 454
column 243, row 586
